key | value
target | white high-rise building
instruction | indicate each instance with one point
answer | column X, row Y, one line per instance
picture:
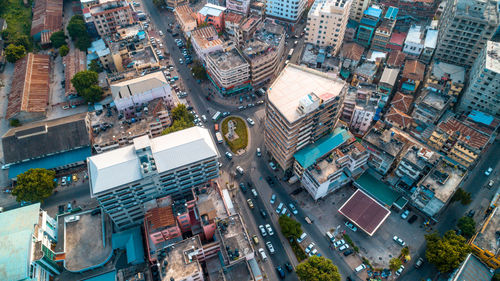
column 286, row 9
column 326, row 23
column 483, row 92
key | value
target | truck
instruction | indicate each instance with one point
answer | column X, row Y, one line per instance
column 216, row 116
column 218, row 135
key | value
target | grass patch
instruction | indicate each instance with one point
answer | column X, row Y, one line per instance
column 297, row 250
column 241, row 130
column 18, row 17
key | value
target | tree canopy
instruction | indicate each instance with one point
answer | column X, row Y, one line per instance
column 181, row 119
column 34, row 185
column 58, row 39
column 290, row 227
column 395, row 263
column 95, row 66
column 317, row 269
column 78, row 32
column 468, row 226
column 199, row 71
column 463, row 196
column 63, row 50
column 14, row 53
column 447, row 252
column 86, row 85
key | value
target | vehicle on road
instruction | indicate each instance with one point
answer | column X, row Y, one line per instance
column 419, row 262
column 229, row 155
column 313, row 252
column 284, row 211
column 471, row 213
column 250, row 203
column 293, row 209
column 288, row 267
column 344, row 247
column 219, row 138
column 302, row 237
column 243, row 187
column 490, row 183
column 405, row 214
column 273, row 166
column 398, row 240
column 63, row 181
column 360, row 267
column 259, row 154
column 255, row 239
column 348, row 252
column 278, row 210
column 216, row 116
column 250, row 121
column 269, row 229
column 226, row 113
column 488, row 172
column 273, row 199
column 254, row 193
column 270, row 247
column 204, row 118
column 263, row 213
column 338, row 243
column 262, row 254
column 308, row 220
column 309, row 248
column 351, row 226
column 240, row 170
column 412, row 219
column 330, row 237
column 400, row 270
column 281, row 272
column 72, row 218
column 262, row 230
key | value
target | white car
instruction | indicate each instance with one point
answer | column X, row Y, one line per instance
column 273, row 199
column 270, row 247
column 302, row 237
column 405, row 214
column 488, row 172
column 398, row 240
column 313, row 252
column 344, row 247
column 400, row 270
column 351, row 226
column 293, row 209
column 269, row 229
column 309, row 248
column 262, row 230
column 338, row 243
column 263, row 254
column 250, row 121
column 272, row 165
column 161, row 33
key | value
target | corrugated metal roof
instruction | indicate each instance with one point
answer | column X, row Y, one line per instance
column 47, row 16
column 15, row 236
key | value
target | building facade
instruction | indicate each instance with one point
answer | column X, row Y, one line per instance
column 149, row 169
column 326, row 23
column 238, row 6
column 228, row 71
column 464, row 28
column 383, row 33
column 286, row 10
column 367, row 25
column 108, row 16
column 357, row 9
column 483, row 91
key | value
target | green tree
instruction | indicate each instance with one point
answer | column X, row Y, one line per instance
column 22, row 40
column 15, row 122
column 34, row 185
column 95, row 66
column 199, row 71
column 63, row 50
column 92, row 94
column 317, row 269
column 58, row 39
column 181, row 119
column 14, row 52
column 83, row 43
column 395, row 263
column 78, row 32
column 463, row 196
column 447, row 252
column 468, row 226
column 86, row 85
column 159, row 3
column 290, row 227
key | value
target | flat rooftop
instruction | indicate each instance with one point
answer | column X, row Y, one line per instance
column 443, row 181
column 434, row 100
column 182, row 261
column 234, row 236
column 295, row 82
column 385, row 140
column 215, row 203
column 365, row 212
column 487, row 238
column 227, row 60
column 493, row 56
column 139, row 85
column 206, row 37
column 442, row 70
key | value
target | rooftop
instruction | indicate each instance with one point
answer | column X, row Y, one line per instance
column 487, row 237
column 326, row 7
column 414, row 70
column 443, row 181
column 206, row 37
column 387, row 140
column 377, row 189
column 466, row 134
column 249, row 22
column 139, row 85
column 185, row 13
column 396, row 58
column 446, row 71
column 295, row 82
column 40, row 139
column 367, row 70
column 233, row 18
column 18, row 227
column 193, row 144
column 433, row 99
column 365, row 212
column 30, row 86
column 401, row 119
column 402, row 102
column 47, row 16
column 389, row 76
column 234, row 237
column 211, row 204
column 391, row 13
column 182, row 259
column 352, row 51
column 308, row 155
column 421, row 156
column 266, row 39
column 431, row 38
column 108, row 6
column 373, row 11
column 74, row 62
column 493, row 56
column 226, row 60
column 473, row 269
column 415, row 34
column 212, row 10
column 398, row 38
column 486, row 10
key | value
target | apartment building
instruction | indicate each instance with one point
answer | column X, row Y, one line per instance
column 173, row 4
column 186, row 18
column 213, row 15
column 264, row 51
column 459, row 141
column 430, row 106
column 447, row 79
column 29, row 236
column 430, row 44
column 326, row 23
column 360, row 106
column 420, row 9
column 205, row 40
column 483, row 243
column 228, row 71
column 286, row 10
column 383, row 33
column 415, row 164
column 414, row 43
column 302, row 106
column 238, row 6
column 149, row 169
column 109, row 15
column 357, row 9
column 464, row 28
column 368, row 25
column 413, row 75
column 482, row 92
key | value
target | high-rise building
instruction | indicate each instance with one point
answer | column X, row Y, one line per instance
column 326, row 23
column 302, row 106
column 464, row 28
column 124, row 179
column 384, row 32
column 285, row 10
column 229, row 71
column 368, row 25
column 357, row 9
column 483, row 91
column 239, row 6
column 108, row 16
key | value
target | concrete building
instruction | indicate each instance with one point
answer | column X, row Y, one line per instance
column 302, row 106
column 464, row 28
column 138, row 91
column 351, row 55
column 430, row 44
column 367, row 25
column 28, row 236
column 264, row 52
column 357, row 9
column 388, row 80
column 383, row 32
column 413, row 75
column 472, row 269
column 360, row 106
column 446, row 79
column 414, row 43
column 173, row 4
column 108, row 16
column 483, row 243
column 397, row 41
column 419, row 9
column 213, row 15
column 238, row 6
column 326, row 23
column 232, row 23
column 205, row 40
column 430, row 106
column 186, row 18
column 228, row 71
column 285, row 10
column 149, row 169
column 98, row 50
column 483, row 90
column 415, row 164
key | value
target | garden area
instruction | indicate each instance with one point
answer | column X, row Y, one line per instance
column 18, row 17
column 240, row 138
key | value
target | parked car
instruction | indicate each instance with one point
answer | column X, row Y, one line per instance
column 302, row 237
column 351, row 226
column 250, row 121
column 419, row 262
column 488, row 172
column 405, row 214
column 72, row 218
column 270, row 247
column 250, row 203
column 344, row 247
column 293, row 209
column 348, row 252
column 280, row 271
column 400, row 270
column 278, row 210
column 263, row 213
column 398, row 240
column 255, row 239
column 309, row 248
column 412, row 219
column 288, row 267
column 63, row 181
column 262, row 230
column 229, row 155
column 471, row 213
column 254, row 193
column 360, row 267
column 338, row 243
column 269, row 229
column 262, row 254
column 243, row 187
column 273, row 199
column 272, row 165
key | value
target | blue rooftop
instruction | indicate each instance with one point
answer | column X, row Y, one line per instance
column 108, row 276
column 481, row 117
column 391, row 13
column 52, row 161
column 373, row 12
column 308, row 155
column 321, row 58
column 99, row 47
column 131, row 241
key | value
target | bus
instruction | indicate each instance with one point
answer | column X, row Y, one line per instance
column 216, row 116
column 218, row 135
column 290, row 53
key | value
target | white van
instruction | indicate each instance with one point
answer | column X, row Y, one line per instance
column 330, row 236
column 263, row 254
column 302, row 237
column 204, row 118
column 360, row 267
column 254, row 192
column 240, row 170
